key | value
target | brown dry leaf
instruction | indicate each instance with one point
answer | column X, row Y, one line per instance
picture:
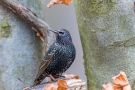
column 62, row 85
column 120, row 79
column 116, row 87
column 71, row 76
column 120, row 83
column 52, row 2
column 51, row 87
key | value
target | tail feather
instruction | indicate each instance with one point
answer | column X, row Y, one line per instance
column 39, row 80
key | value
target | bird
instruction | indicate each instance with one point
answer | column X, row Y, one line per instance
column 59, row 57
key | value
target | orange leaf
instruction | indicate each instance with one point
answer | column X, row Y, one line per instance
column 117, row 87
column 71, row 76
column 62, row 85
column 120, row 79
column 67, row 2
column 120, row 83
column 52, row 2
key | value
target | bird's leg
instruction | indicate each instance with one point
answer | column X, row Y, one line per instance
column 52, row 78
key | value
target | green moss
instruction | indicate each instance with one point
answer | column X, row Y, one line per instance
column 5, row 30
column 101, row 6
column 133, row 86
column 92, row 30
column 126, row 43
column 91, row 83
column 4, row 24
column 101, row 29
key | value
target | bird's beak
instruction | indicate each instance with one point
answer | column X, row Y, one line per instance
column 55, row 31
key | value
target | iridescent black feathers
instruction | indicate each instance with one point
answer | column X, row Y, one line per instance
column 58, row 58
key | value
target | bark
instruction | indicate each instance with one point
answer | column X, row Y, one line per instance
column 21, row 51
column 107, row 31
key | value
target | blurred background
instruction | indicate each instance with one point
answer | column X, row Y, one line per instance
column 63, row 16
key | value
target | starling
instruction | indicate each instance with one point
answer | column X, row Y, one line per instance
column 58, row 58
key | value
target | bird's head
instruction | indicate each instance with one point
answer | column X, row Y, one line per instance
column 62, row 35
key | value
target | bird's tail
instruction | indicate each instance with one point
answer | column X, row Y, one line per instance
column 39, row 80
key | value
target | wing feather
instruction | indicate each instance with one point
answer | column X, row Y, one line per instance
column 47, row 60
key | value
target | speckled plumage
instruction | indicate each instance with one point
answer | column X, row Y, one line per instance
column 58, row 58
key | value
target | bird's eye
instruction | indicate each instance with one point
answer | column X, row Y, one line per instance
column 61, row 32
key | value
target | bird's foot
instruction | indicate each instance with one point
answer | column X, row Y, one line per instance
column 52, row 78
column 63, row 77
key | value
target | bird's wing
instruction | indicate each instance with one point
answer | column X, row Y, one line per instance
column 47, row 60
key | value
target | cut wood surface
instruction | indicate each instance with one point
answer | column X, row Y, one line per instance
column 72, row 84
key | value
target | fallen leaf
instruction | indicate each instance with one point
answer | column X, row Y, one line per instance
column 120, row 79
column 51, row 87
column 62, row 85
column 117, row 87
column 120, row 82
column 71, row 76
column 52, row 2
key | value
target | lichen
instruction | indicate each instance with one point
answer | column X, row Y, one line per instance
column 92, row 30
column 4, row 24
column 101, row 6
column 101, row 29
column 5, row 30
column 126, row 43
column 87, row 62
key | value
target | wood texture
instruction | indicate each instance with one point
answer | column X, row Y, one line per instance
column 73, row 84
